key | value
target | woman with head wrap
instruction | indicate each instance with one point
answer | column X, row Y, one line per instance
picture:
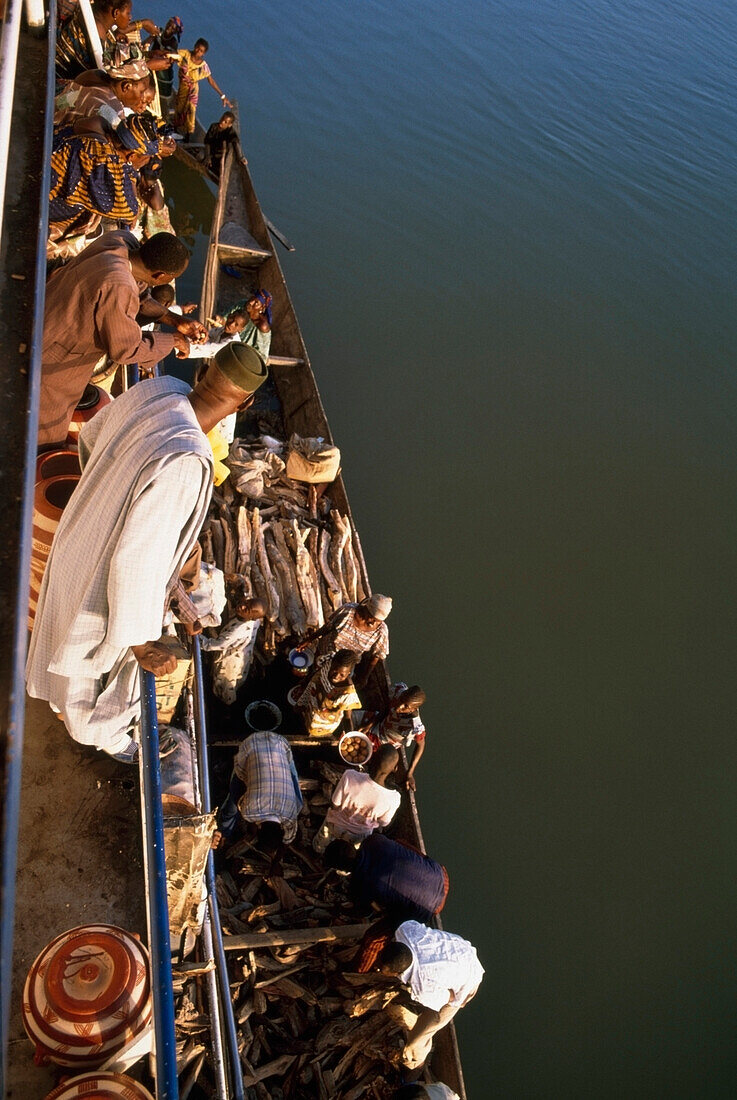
column 359, row 627
column 77, row 50
column 257, row 332
column 122, row 85
column 94, row 178
column 192, row 69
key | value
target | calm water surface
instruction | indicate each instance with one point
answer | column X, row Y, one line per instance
column 515, row 276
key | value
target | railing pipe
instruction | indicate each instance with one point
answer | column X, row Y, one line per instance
column 213, row 998
column 218, row 1057
column 35, row 14
column 157, row 908
column 8, row 66
column 220, row 959
column 92, row 32
column 17, row 708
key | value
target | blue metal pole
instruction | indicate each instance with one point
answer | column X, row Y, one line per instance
column 17, row 703
column 162, row 992
column 220, row 959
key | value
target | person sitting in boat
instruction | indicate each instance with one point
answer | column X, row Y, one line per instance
column 419, row 1091
column 399, row 724
column 360, row 627
column 329, row 695
column 264, row 791
column 443, row 973
column 234, row 645
column 361, row 801
column 91, row 308
column 257, row 331
column 114, row 559
column 218, row 335
column 192, row 69
column 219, row 137
column 403, row 882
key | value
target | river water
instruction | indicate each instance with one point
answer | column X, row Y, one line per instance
column 515, row 275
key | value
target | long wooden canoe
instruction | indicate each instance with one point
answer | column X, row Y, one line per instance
column 241, row 240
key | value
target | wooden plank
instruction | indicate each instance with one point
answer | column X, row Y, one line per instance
column 290, row 936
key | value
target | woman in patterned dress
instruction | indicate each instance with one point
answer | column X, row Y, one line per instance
column 192, row 69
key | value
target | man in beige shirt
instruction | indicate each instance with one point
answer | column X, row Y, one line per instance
column 91, row 308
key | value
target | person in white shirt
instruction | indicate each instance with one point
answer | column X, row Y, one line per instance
column 233, row 648
column 361, row 802
column 443, row 973
column 425, row 1091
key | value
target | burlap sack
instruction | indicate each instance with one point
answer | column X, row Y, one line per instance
column 314, row 462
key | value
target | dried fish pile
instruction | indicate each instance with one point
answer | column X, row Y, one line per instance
column 308, row 1025
column 295, row 551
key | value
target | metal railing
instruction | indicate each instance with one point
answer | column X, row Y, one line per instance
column 9, row 45
column 157, row 908
column 221, row 965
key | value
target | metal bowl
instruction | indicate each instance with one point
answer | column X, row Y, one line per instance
column 294, row 693
column 365, row 742
column 269, row 723
column 301, row 661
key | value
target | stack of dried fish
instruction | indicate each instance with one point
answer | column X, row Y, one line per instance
column 294, row 549
column 308, row 1024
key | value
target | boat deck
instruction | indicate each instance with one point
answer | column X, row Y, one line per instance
column 79, row 862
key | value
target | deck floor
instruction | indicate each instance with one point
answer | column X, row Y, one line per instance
column 79, row 862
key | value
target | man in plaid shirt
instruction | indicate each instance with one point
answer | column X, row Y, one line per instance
column 264, row 789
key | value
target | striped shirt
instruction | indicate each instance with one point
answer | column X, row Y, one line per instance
column 345, row 632
column 264, row 763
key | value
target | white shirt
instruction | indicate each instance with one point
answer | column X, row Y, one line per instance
column 445, row 969
column 359, row 805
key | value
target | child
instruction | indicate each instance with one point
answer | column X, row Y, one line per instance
column 329, row 694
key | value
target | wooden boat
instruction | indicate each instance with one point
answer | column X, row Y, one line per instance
column 241, row 241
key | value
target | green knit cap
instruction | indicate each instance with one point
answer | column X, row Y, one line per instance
column 242, row 365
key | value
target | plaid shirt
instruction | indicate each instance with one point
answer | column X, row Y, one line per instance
column 345, row 633
column 264, row 763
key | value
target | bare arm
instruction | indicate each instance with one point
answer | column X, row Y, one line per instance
column 211, row 82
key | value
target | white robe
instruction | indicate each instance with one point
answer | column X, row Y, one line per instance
column 125, row 534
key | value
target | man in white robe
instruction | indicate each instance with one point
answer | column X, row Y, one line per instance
column 124, row 536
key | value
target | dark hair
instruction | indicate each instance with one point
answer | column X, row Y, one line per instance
column 382, row 756
column 164, row 252
column 395, row 957
column 202, row 42
column 340, row 854
column 414, row 695
column 227, row 114
column 270, row 837
column 163, row 294
column 344, row 658
column 236, row 313
column 111, row 5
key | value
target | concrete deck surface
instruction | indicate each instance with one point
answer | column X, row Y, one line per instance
column 79, row 862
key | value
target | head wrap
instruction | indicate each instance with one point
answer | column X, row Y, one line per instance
column 242, row 365
column 264, row 298
column 125, row 61
column 378, row 606
column 138, row 134
column 178, row 24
